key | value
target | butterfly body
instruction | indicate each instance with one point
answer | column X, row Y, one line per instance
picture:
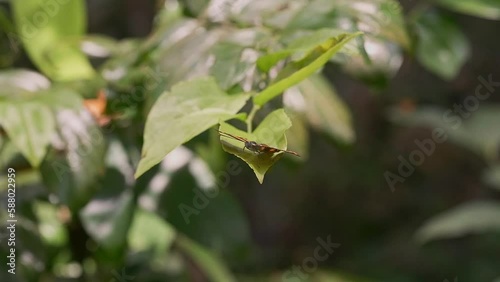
column 256, row 147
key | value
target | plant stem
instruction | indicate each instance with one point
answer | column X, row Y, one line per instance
column 250, row 117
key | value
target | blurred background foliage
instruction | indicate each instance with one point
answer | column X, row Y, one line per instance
column 78, row 79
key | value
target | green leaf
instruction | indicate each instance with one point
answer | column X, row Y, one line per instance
column 489, row 9
column 48, row 30
column 442, row 47
column 322, row 107
column 179, row 115
column 299, row 48
column 475, row 217
column 27, row 107
column 306, row 67
column 30, row 127
column 211, row 265
column 271, row 131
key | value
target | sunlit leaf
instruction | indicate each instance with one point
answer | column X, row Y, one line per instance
column 304, row 68
column 271, row 131
column 27, row 107
column 30, row 127
column 441, row 47
column 469, row 218
column 48, row 30
column 298, row 47
column 179, row 115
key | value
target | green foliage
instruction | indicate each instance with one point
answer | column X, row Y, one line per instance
column 49, row 32
column 179, row 115
column 271, row 131
column 28, row 109
column 130, row 180
column 313, row 61
column 442, row 47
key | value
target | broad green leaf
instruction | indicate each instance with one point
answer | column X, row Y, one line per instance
column 442, row 47
column 271, row 131
column 149, row 231
column 489, row 9
column 108, row 215
column 30, row 127
column 474, row 217
column 304, row 68
column 190, row 108
column 209, row 264
column 322, row 108
column 48, row 30
column 27, row 111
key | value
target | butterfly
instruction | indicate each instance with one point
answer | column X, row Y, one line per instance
column 256, row 147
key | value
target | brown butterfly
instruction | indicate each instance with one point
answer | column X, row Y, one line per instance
column 256, row 147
